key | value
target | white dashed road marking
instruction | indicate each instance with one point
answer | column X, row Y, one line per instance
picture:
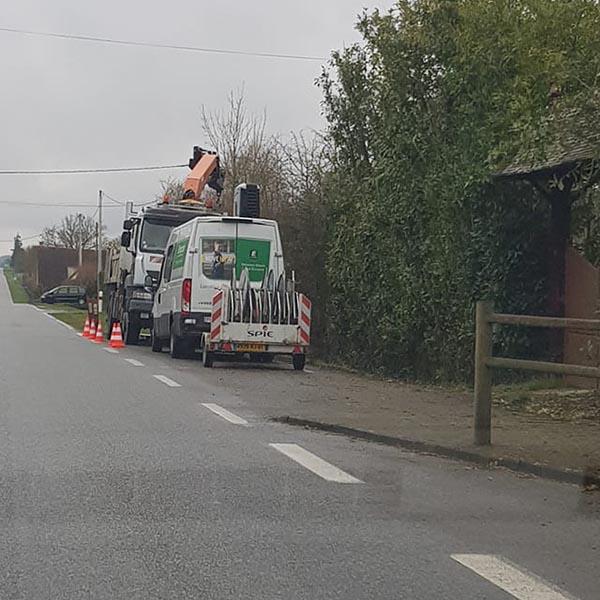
column 135, row 363
column 228, row 416
column 315, row 464
column 510, row 578
column 167, row 381
column 110, row 350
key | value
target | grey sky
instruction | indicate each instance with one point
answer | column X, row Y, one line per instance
column 74, row 104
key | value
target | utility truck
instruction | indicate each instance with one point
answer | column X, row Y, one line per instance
column 145, row 234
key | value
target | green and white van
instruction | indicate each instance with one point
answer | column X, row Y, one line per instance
column 201, row 256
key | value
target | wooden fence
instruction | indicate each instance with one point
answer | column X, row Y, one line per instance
column 485, row 362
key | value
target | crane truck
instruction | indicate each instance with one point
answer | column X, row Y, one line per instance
column 143, row 241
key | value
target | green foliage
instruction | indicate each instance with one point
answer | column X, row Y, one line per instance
column 441, row 95
column 18, row 255
column 18, row 293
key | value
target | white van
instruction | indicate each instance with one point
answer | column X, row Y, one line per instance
column 200, row 257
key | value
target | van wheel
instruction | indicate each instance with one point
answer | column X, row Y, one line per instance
column 298, row 360
column 177, row 346
column 156, row 343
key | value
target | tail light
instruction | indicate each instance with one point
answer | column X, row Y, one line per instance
column 186, row 296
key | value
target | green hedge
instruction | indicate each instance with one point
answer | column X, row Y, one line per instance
column 439, row 97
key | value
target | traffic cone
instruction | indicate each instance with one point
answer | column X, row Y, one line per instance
column 92, row 334
column 86, row 327
column 116, row 337
column 99, row 338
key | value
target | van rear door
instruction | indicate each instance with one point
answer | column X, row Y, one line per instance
column 226, row 247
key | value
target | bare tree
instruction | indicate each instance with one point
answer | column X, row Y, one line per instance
column 247, row 152
column 74, row 230
column 172, row 189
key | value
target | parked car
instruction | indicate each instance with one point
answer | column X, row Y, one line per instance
column 67, row 294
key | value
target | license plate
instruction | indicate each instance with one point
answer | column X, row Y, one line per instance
column 144, row 315
column 251, row 347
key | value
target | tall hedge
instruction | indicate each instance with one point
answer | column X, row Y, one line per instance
column 438, row 97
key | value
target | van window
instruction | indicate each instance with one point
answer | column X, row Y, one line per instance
column 220, row 256
column 179, row 254
column 168, row 264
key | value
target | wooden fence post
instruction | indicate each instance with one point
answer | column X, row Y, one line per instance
column 482, row 401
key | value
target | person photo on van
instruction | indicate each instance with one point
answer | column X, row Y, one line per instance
column 254, row 254
column 218, row 267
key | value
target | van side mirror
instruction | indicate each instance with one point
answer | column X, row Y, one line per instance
column 127, row 225
column 126, row 239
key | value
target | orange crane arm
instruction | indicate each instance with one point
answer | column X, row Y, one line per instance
column 205, row 170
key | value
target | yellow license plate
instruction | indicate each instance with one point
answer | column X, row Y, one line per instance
column 251, row 347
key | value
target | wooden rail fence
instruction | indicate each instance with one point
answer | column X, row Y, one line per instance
column 485, row 362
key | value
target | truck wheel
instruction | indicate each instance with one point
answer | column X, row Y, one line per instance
column 298, row 360
column 177, row 346
column 207, row 357
column 156, row 343
column 131, row 332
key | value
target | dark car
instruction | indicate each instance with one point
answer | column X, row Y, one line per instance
column 67, row 294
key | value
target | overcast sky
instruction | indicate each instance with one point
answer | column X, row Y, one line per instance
column 74, row 104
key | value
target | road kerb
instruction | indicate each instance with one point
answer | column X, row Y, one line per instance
column 519, row 466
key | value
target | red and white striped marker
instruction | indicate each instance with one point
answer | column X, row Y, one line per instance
column 305, row 319
column 216, row 315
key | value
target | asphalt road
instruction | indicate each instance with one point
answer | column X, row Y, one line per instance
column 129, row 475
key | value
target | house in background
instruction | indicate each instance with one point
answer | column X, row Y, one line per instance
column 47, row 267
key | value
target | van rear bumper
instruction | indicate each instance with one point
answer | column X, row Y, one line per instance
column 190, row 324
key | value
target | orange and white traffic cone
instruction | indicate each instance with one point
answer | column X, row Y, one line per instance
column 99, row 337
column 116, row 337
column 86, row 327
column 92, row 334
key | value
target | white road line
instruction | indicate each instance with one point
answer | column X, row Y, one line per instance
column 223, row 412
column 110, row 350
column 167, row 381
column 510, row 578
column 315, row 464
column 308, row 371
column 135, row 363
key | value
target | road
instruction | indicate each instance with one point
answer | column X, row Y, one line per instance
column 133, row 476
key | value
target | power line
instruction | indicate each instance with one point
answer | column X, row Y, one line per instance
column 119, row 202
column 23, row 239
column 54, row 204
column 83, row 171
column 207, row 50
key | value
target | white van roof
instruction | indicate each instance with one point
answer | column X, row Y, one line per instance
column 223, row 219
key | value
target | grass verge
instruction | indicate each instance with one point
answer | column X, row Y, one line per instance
column 17, row 291
column 75, row 318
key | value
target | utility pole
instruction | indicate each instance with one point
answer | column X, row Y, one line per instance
column 80, row 222
column 99, row 251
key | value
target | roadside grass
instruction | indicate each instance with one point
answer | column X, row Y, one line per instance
column 549, row 397
column 52, row 308
column 75, row 318
column 17, row 291
column 516, row 395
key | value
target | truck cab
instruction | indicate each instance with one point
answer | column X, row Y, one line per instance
column 143, row 242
